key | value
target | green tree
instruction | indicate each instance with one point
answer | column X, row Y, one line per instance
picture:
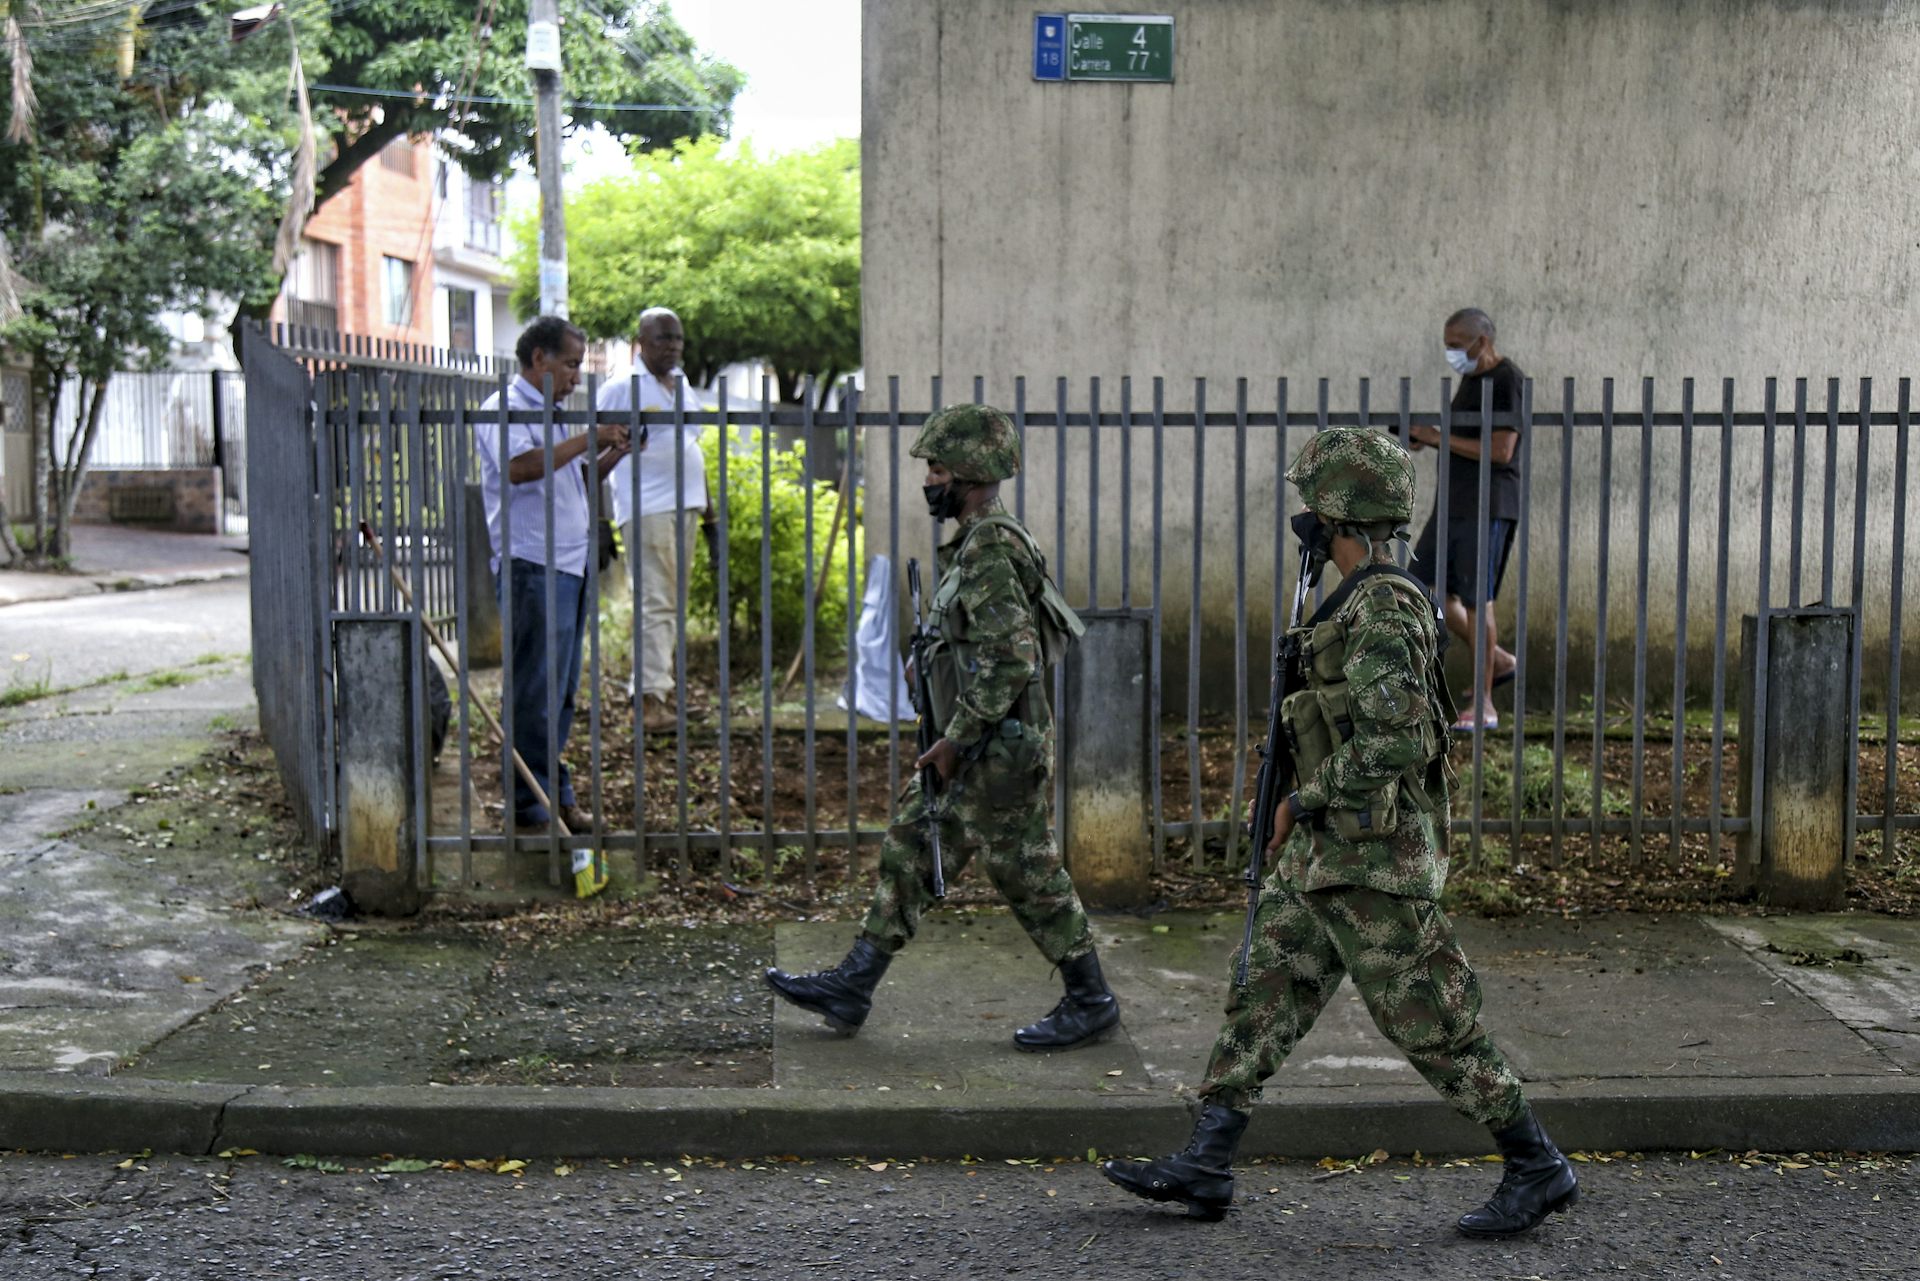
column 130, row 195
column 614, row 51
column 384, row 69
column 760, row 256
column 780, row 521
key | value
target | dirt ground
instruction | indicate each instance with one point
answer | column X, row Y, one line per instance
column 226, row 818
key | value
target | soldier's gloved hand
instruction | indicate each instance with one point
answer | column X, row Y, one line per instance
column 944, row 756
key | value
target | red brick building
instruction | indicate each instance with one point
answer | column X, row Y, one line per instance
column 367, row 263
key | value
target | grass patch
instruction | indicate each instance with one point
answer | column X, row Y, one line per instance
column 22, row 688
column 166, row 680
column 1536, row 785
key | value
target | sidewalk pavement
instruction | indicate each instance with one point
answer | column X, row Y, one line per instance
column 118, row 558
column 1634, row 1032
column 148, row 1000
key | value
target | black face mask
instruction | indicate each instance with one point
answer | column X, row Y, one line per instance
column 1317, row 538
column 944, row 501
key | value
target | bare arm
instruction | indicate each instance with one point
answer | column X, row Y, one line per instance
column 532, row 465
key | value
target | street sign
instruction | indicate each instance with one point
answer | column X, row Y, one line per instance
column 1133, row 47
column 1049, row 46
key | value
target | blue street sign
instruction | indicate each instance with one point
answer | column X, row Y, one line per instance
column 1049, row 46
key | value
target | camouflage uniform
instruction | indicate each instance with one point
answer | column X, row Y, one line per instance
column 1355, row 889
column 999, row 806
column 1000, row 623
column 1367, row 907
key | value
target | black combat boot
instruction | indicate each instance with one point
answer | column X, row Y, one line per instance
column 841, row 995
column 1537, row 1181
column 1201, row 1176
column 1084, row 1015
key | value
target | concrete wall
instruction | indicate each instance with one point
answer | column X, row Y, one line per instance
column 1718, row 189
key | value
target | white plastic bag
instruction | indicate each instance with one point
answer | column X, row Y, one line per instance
column 882, row 672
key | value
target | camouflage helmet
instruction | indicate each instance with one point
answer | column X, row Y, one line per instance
column 974, row 442
column 1355, row 476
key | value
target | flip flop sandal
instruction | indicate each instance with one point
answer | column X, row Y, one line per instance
column 1463, row 726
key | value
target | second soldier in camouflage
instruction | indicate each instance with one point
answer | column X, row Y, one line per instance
column 1355, row 887
column 1000, row 623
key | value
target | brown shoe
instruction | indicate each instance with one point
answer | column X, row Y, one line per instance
column 657, row 715
column 577, row 819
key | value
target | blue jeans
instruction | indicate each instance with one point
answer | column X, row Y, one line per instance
column 532, row 665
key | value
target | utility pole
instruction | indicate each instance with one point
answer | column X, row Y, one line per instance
column 543, row 61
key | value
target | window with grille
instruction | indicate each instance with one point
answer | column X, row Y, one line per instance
column 398, row 156
column 483, row 215
column 313, row 286
column 462, row 335
column 396, row 278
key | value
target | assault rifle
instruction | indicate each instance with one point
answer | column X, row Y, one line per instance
column 1276, row 761
column 922, row 691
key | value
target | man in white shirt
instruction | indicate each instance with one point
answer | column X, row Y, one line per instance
column 549, row 349
column 652, row 494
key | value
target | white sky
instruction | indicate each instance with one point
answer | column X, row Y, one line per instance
column 802, row 63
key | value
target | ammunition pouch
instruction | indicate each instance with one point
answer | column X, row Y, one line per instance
column 1318, row 720
column 943, row 685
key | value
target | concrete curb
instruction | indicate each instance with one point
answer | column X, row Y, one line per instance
column 112, row 582
column 47, row 1113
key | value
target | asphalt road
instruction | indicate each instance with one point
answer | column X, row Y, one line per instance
column 1715, row 1216
column 82, row 639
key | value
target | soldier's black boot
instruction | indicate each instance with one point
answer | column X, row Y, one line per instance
column 1537, row 1181
column 1084, row 1015
column 842, row 995
column 1201, row 1176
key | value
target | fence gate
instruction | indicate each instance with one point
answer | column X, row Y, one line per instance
column 292, row 666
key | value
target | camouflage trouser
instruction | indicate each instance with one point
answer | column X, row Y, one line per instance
column 1409, row 970
column 1002, row 818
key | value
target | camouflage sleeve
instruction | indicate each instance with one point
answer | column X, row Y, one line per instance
column 1004, row 634
column 1387, row 698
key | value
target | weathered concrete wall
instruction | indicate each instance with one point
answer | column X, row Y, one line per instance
column 1633, row 189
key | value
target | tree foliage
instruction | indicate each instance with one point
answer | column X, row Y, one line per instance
column 780, row 522
column 614, row 51
column 760, row 256
column 128, row 198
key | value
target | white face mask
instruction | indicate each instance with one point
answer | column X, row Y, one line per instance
column 1460, row 362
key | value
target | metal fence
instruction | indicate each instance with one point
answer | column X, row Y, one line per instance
column 1162, row 504
column 170, row 419
column 292, row 648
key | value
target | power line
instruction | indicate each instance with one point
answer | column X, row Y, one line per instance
column 485, row 100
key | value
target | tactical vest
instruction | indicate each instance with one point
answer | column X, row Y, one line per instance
column 953, row 660
column 1317, row 719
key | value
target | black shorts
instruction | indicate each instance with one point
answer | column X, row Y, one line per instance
column 1463, row 547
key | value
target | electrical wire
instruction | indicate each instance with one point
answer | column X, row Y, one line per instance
column 485, row 100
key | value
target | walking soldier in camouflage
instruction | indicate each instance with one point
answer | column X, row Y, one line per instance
column 1360, row 860
column 1000, row 624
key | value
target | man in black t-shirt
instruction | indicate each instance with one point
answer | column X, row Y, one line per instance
column 1485, row 377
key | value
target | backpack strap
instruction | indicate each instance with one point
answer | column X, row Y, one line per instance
column 1059, row 625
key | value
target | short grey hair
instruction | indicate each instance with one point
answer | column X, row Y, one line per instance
column 1474, row 319
column 653, row 313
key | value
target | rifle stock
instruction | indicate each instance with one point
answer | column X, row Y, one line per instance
column 1276, row 766
column 922, row 691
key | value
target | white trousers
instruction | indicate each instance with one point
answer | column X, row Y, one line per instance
column 654, row 543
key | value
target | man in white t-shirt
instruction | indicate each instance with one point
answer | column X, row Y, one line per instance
column 653, row 492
